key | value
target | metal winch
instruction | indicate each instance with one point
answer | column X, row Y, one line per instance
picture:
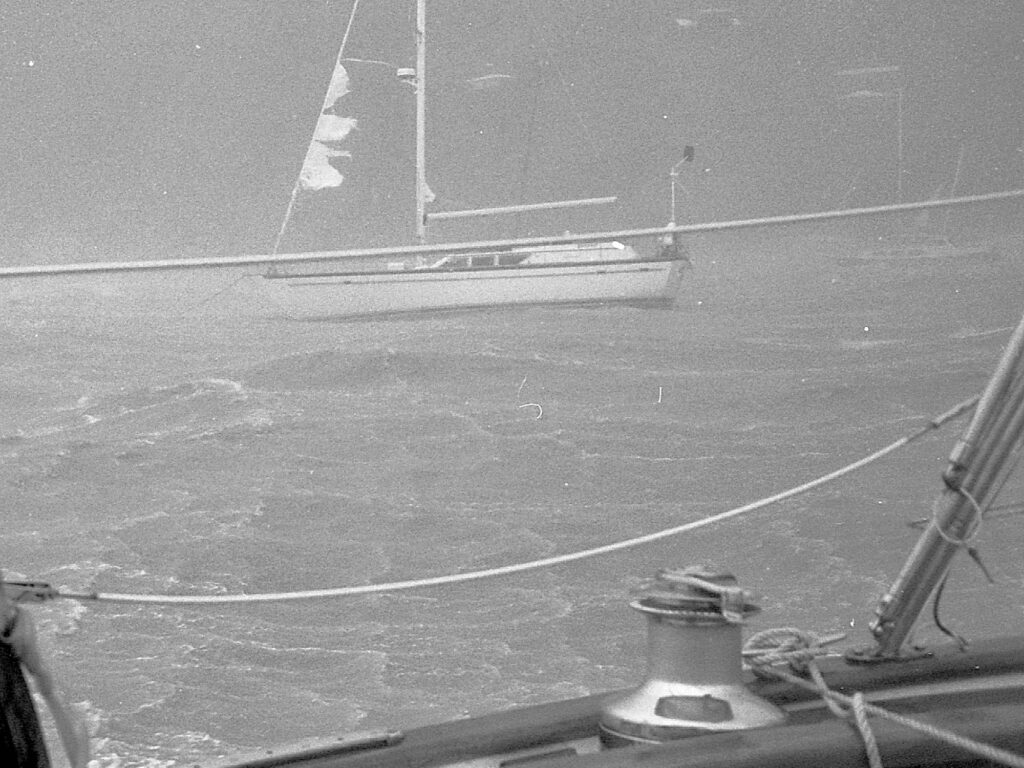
column 694, row 682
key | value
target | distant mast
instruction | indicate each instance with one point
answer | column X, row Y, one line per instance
column 421, row 120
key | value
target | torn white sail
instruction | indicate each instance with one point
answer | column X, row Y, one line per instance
column 328, row 138
column 427, row 193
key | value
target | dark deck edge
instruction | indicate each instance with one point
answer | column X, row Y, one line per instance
column 837, row 744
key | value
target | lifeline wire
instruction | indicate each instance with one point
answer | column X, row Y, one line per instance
column 397, row 586
column 216, row 262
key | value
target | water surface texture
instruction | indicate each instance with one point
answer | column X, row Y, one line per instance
column 173, row 435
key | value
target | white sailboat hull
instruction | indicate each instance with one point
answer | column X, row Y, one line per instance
column 355, row 294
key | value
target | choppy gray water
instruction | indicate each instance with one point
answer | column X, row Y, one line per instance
column 177, row 435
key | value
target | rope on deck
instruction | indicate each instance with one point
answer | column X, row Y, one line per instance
column 801, row 649
column 548, row 562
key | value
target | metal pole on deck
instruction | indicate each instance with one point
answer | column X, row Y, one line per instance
column 674, row 181
column 421, row 121
column 977, row 467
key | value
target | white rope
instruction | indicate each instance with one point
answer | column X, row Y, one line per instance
column 548, row 562
column 986, row 751
column 801, row 650
column 860, row 717
column 967, row 538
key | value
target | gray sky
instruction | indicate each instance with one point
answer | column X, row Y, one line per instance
column 145, row 128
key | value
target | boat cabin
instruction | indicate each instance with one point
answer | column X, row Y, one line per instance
column 570, row 253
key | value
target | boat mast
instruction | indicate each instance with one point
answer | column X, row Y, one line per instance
column 421, row 121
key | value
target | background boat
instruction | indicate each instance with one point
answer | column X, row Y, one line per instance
column 340, row 292
column 564, row 274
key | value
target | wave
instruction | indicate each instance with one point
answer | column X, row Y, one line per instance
column 973, row 333
column 89, row 410
column 346, row 371
column 859, row 345
column 147, row 398
column 252, row 424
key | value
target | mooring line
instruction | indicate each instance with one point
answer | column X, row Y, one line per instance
column 547, row 562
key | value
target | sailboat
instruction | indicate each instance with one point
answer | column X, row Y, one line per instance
column 518, row 274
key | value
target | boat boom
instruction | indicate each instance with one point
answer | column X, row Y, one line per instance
column 440, row 215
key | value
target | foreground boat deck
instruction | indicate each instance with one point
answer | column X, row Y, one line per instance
column 977, row 693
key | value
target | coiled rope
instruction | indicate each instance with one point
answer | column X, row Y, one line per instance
column 548, row 562
column 800, row 649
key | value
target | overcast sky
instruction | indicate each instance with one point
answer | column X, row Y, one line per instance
column 152, row 128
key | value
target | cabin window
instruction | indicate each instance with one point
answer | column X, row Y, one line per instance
column 509, row 259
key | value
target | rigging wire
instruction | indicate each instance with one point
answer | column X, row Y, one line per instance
column 548, row 562
column 588, row 137
column 547, row 61
column 525, row 166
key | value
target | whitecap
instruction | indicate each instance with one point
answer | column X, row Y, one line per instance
column 973, row 333
column 865, row 344
column 229, row 385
